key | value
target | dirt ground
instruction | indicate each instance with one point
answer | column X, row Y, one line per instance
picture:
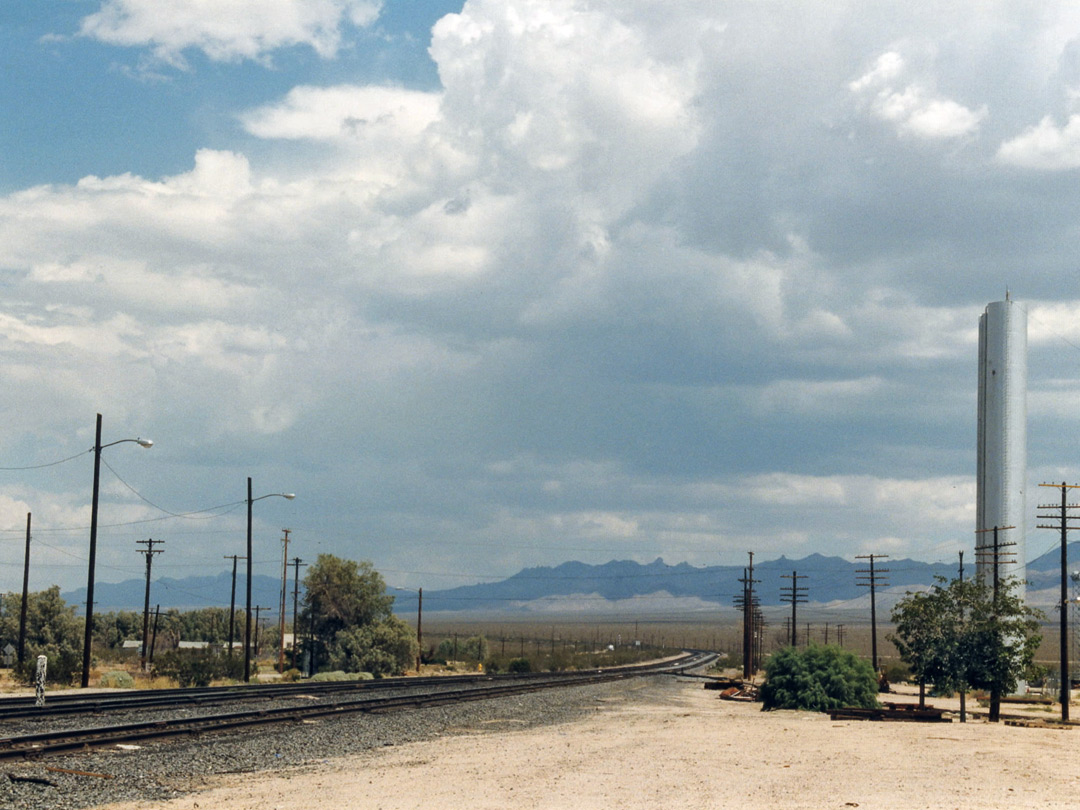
column 676, row 745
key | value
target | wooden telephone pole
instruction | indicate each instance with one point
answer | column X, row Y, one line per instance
column 872, row 577
column 1060, row 514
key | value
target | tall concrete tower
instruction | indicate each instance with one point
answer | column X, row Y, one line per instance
column 1001, row 484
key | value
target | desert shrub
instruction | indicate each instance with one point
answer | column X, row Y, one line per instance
column 197, row 667
column 118, row 679
column 340, row 675
column 382, row 648
column 897, row 672
column 519, row 665
column 62, row 667
column 818, row 678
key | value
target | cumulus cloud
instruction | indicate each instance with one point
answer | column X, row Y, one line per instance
column 914, row 110
column 624, row 284
column 1045, row 146
column 345, row 113
column 227, row 30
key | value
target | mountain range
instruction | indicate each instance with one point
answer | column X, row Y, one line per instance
column 620, row 585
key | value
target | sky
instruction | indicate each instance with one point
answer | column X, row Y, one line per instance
column 504, row 283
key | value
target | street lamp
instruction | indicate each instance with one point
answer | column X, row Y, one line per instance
column 88, row 632
column 247, row 619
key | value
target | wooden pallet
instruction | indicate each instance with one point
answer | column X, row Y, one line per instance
column 908, row 712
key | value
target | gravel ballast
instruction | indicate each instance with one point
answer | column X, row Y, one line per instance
column 162, row 770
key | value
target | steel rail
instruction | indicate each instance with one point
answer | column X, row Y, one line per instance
column 80, row 703
column 58, row 705
column 55, row 743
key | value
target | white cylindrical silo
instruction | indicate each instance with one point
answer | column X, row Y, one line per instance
column 1001, row 477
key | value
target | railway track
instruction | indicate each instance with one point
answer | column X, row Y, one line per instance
column 53, row 743
column 76, row 703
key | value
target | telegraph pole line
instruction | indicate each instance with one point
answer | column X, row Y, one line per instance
column 1046, row 512
column 420, row 631
column 794, row 595
column 297, row 562
column 747, row 604
column 25, row 592
column 149, row 551
column 257, row 610
column 284, row 592
column 963, row 679
column 157, row 616
column 232, row 599
column 996, row 555
column 872, row 577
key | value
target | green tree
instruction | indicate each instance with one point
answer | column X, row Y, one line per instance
column 968, row 633
column 817, row 678
column 926, row 636
column 348, row 612
column 52, row 629
column 387, row 647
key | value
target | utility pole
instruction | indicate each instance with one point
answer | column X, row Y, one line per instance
column 297, row 562
column 232, row 599
column 25, row 592
column 840, row 635
column 963, row 675
column 1046, row 512
column 419, row 629
column 257, row 609
column 747, row 603
column 794, row 595
column 149, row 551
column 157, row 615
column 996, row 555
column 284, row 591
column 872, row 577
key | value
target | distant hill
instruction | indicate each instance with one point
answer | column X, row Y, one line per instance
column 827, row 579
column 831, row 585
column 189, row 593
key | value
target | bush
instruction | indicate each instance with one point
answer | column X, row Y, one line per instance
column 118, row 679
column 897, row 672
column 818, row 678
column 198, row 667
column 62, row 665
column 290, row 675
column 339, row 675
column 382, row 648
column 519, row 665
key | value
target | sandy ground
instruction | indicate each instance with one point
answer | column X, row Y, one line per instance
column 676, row 745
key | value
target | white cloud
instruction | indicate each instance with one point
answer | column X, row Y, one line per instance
column 1045, row 147
column 227, row 30
column 915, row 110
column 375, row 115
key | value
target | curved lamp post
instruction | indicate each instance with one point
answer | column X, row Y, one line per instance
column 247, row 615
column 89, row 630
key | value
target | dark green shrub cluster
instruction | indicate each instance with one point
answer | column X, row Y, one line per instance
column 62, row 667
column 519, row 665
column 198, row 667
column 897, row 672
column 818, row 678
